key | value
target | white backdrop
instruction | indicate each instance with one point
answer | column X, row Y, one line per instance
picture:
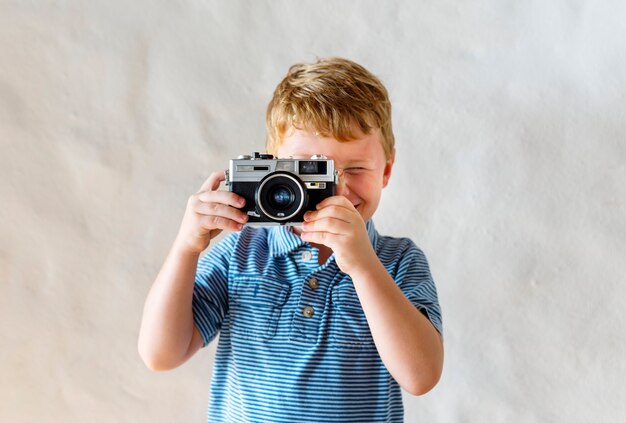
column 510, row 119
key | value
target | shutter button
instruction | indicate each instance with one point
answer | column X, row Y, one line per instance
column 308, row 311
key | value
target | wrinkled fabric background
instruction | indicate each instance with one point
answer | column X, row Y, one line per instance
column 510, row 121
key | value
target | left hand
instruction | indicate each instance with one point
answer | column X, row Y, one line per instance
column 338, row 225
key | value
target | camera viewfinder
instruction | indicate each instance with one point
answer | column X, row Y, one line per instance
column 312, row 167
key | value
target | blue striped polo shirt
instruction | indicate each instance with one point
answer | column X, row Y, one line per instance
column 294, row 343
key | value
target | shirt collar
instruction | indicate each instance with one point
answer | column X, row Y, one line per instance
column 282, row 241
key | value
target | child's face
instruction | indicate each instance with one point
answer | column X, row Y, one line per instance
column 364, row 171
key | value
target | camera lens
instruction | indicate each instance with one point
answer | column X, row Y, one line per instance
column 281, row 197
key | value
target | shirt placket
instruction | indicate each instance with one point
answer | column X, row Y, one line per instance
column 312, row 304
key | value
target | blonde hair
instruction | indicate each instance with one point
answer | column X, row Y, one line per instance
column 333, row 96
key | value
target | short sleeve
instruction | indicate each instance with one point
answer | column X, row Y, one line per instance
column 210, row 293
column 414, row 279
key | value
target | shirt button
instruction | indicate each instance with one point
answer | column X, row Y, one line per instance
column 306, row 256
column 313, row 283
column 308, row 311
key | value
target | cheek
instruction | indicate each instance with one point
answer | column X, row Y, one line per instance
column 365, row 187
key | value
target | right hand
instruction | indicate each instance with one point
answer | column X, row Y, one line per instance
column 208, row 212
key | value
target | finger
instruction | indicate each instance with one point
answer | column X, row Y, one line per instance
column 221, row 210
column 223, row 197
column 329, row 224
column 213, row 181
column 219, row 222
column 335, row 200
column 324, row 238
column 337, row 212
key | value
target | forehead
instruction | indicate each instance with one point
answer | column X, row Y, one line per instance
column 301, row 144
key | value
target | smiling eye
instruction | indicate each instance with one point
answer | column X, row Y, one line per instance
column 354, row 170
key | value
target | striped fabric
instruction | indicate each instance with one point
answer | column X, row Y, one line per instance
column 294, row 344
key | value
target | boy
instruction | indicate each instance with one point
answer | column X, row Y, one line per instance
column 323, row 322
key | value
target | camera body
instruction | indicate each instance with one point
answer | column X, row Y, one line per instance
column 280, row 191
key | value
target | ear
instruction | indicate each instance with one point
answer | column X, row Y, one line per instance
column 388, row 166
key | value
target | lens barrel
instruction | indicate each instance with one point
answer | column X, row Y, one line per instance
column 280, row 196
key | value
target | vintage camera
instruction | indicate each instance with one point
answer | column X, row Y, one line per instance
column 280, row 191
